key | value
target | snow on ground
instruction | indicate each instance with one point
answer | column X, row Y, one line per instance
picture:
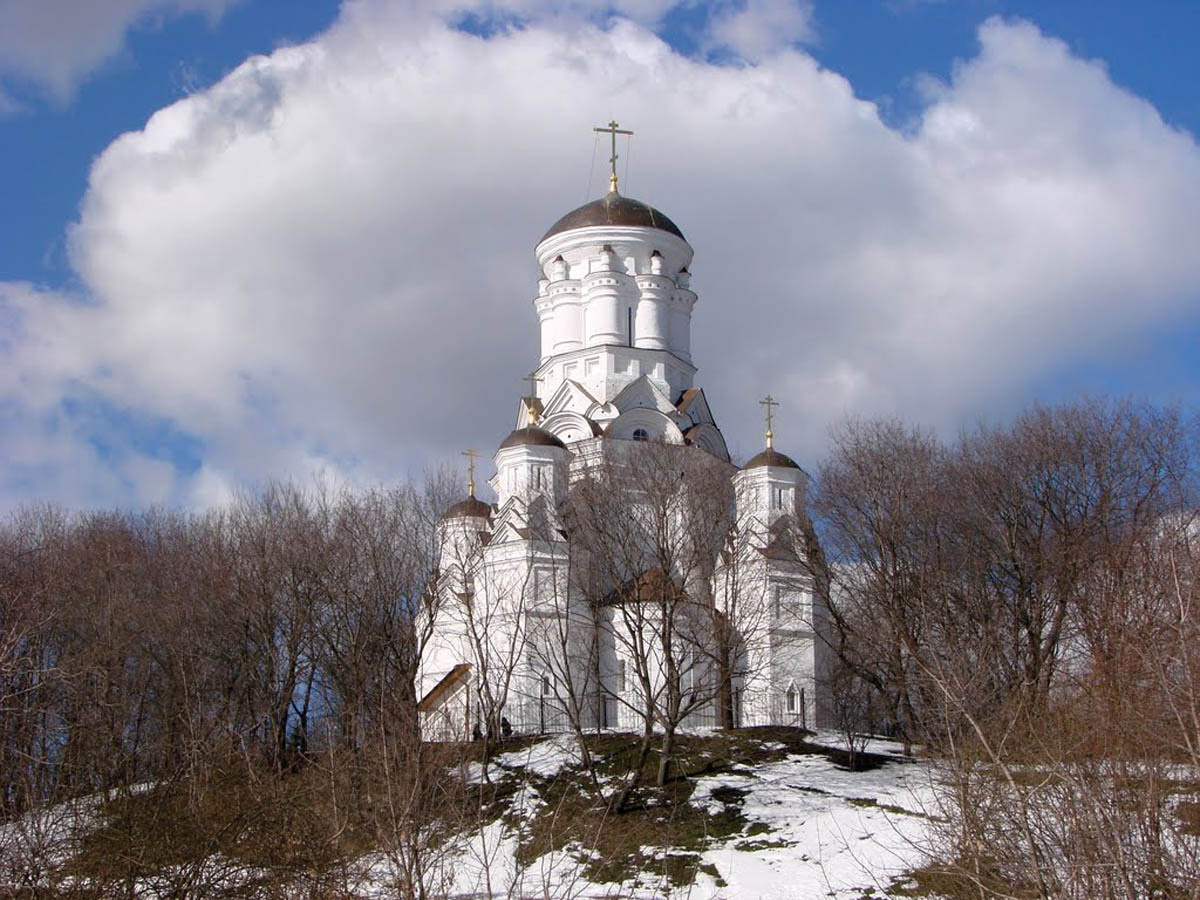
column 814, row 830
column 44, row 839
column 833, row 833
column 837, row 740
column 545, row 758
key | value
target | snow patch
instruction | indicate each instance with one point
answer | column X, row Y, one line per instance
column 545, row 758
column 829, row 832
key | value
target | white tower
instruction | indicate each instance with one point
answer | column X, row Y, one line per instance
column 787, row 666
column 614, row 306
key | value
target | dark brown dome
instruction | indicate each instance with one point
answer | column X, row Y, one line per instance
column 531, row 435
column 614, row 209
column 771, row 457
column 471, row 508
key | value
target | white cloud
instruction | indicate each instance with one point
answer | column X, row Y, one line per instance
column 57, row 43
column 759, row 28
column 9, row 106
column 325, row 260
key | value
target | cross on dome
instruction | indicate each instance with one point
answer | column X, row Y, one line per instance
column 613, row 130
column 531, row 398
column 769, row 402
column 471, row 454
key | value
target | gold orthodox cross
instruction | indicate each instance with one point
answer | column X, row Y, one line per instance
column 471, row 455
column 613, row 131
column 769, row 402
column 533, row 380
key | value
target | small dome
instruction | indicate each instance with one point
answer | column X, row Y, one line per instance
column 531, row 435
column 614, row 209
column 471, row 508
column 771, row 457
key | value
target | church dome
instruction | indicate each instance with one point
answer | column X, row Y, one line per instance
column 613, row 209
column 471, row 508
column 531, row 435
column 771, row 457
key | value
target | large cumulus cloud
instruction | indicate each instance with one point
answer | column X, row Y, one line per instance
column 325, row 260
column 56, row 44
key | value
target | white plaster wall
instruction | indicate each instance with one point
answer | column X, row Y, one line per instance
column 593, row 278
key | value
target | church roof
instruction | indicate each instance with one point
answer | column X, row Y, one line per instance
column 443, row 689
column 468, row 509
column 771, row 457
column 652, row 585
column 613, row 209
column 531, row 435
column 688, row 398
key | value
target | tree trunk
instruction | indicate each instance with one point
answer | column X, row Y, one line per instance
column 664, row 760
column 622, row 800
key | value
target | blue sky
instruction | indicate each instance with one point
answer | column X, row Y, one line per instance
column 90, row 426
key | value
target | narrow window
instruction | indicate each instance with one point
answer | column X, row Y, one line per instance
column 791, row 699
column 545, row 685
column 629, row 324
column 620, row 676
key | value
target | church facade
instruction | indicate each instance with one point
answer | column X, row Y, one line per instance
column 628, row 575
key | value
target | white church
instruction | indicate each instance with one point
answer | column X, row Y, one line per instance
column 629, row 574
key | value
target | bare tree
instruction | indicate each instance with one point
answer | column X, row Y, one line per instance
column 647, row 524
column 1010, row 591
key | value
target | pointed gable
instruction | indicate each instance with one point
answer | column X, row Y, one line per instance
column 523, row 407
column 643, row 394
column 570, row 397
column 783, row 541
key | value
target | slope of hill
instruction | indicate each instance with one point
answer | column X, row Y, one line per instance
column 760, row 813
column 765, row 814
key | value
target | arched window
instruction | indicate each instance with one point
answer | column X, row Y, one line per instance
column 640, row 434
column 791, row 698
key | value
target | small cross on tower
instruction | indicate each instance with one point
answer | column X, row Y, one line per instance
column 613, row 130
column 770, row 402
column 531, row 399
column 471, row 454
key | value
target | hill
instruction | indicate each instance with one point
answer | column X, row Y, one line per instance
column 760, row 813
